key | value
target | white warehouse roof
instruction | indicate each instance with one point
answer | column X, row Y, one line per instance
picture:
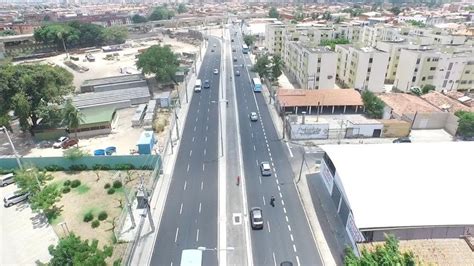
column 407, row 184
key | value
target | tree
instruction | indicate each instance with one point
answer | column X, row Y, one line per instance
column 182, row 8
column 160, row 13
column 32, row 90
column 115, row 35
column 8, row 33
column 72, row 117
column 262, row 66
column 386, row 254
column 273, row 13
column 277, row 65
column 333, row 42
column 71, row 250
column 249, row 40
column 373, row 105
column 466, row 124
column 31, row 180
column 159, row 60
column 138, row 19
column 427, row 88
column 45, row 201
column 416, row 23
column 395, row 10
column 327, row 15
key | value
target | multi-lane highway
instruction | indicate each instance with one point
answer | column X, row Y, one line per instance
column 286, row 235
column 189, row 219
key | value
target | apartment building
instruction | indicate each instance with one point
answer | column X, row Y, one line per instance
column 274, row 38
column 311, row 67
column 361, row 68
column 448, row 69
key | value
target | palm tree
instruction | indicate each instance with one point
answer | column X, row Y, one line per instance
column 72, row 117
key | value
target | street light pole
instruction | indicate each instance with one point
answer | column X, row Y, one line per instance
column 301, row 168
column 13, row 147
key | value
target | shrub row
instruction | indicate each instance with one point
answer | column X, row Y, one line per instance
column 82, row 167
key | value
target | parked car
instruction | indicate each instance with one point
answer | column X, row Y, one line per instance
column 233, row 49
column 237, row 73
column 59, row 143
column 215, row 45
column 212, row 50
column 256, row 218
column 253, row 116
column 69, row 143
column 7, row 179
column 265, row 168
column 207, row 85
column 402, row 140
column 14, row 198
column 235, row 58
column 216, row 71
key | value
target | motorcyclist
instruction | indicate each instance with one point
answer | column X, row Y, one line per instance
column 272, row 201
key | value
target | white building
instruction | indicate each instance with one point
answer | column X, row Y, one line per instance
column 361, row 68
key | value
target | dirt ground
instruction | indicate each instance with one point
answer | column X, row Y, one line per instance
column 92, row 197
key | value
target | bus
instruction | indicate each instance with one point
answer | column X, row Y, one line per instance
column 191, row 257
column 257, row 85
column 245, row 49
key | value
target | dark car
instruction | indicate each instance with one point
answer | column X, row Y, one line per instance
column 256, row 218
column 402, row 140
column 207, row 85
column 69, row 143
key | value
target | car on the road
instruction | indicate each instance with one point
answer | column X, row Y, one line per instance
column 216, row 71
column 253, row 116
column 14, row 198
column 212, row 50
column 207, row 85
column 69, row 143
column 256, row 218
column 215, row 45
column 233, row 49
column 286, row 263
column 235, row 58
column 59, row 143
column 402, row 140
column 232, row 40
column 237, row 73
column 265, row 168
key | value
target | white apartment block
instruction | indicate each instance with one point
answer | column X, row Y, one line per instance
column 361, row 68
column 446, row 70
column 311, row 67
column 274, row 38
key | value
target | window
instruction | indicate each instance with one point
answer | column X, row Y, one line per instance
column 470, row 82
column 432, row 68
column 444, row 83
column 319, row 59
column 467, row 72
column 369, row 69
column 416, row 69
column 417, row 61
column 413, row 79
column 317, row 79
column 423, row 79
column 394, row 73
column 318, row 69
column 371, row 60
column 464, row 82
column 447, row 75
column 436, row 59
column 450, row 66
column 430, row 77
column 429, row 59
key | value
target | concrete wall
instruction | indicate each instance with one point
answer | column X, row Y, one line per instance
column 123, row 85
column 419, row 233
column 40, row 162
column 452, row 124
column 309, row 131
column 427, row 120
column 362, row 130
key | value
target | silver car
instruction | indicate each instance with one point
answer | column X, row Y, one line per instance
column 14, row 199
column 265, row 168
column 253, row 117
column 256, row 218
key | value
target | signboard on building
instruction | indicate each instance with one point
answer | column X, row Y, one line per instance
column 309, row 131
column 353, row 232
column 327, row 176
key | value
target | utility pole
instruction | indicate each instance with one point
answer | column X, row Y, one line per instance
column 301, row 168
column 171, row 141
column 176, row 122
column 147, row 202
column 129, row 205
column 13, row 147
column 186, row 82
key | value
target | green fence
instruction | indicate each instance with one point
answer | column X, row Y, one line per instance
column 90, row 162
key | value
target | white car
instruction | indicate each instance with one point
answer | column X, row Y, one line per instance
column 265, row 169
column 216, row 71
column 59, row 143
column 253, row 116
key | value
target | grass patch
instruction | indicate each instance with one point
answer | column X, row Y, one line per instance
column 82, row 189
column 119, row 190
column 56, row 220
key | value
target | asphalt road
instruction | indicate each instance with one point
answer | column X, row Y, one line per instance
column 286, row 235
column 189, row 220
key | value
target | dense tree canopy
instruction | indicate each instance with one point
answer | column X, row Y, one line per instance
column 273, row 13
column 159, row 60
column 33, row 91
column 78, row 34
column 161, row 13
column 182, row 8
column 262, row 66
column 249, row 40
column 386, row 254
column 466, row 124
column 71, row 250
column 373, row 105
column 8, row 33
column 139, row 18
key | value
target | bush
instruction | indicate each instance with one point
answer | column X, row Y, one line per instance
column 78, row 167
column 66, row 190
column 111, row 191
column 88, row 217
column 53, row 168
column 75, row 183
column 95, row 223
column 101, row 167
column 146, row 167
column 107, row 186
column 67, row 183
column 102, row 215
column 117, row 184
column 124, row 166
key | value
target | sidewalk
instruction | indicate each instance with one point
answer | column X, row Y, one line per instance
column 144, row 249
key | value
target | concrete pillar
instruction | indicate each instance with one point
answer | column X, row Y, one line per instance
column 321, row 111
column 333, row 109
column 296, row 110
column 310, row 110
column 344, row 109
column 356, row 108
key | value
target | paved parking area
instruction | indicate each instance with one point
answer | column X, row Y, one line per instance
column 25, row 235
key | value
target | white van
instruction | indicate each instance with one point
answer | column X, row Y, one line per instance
column 14, row 198
column 7, row 179
column 197, row 85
